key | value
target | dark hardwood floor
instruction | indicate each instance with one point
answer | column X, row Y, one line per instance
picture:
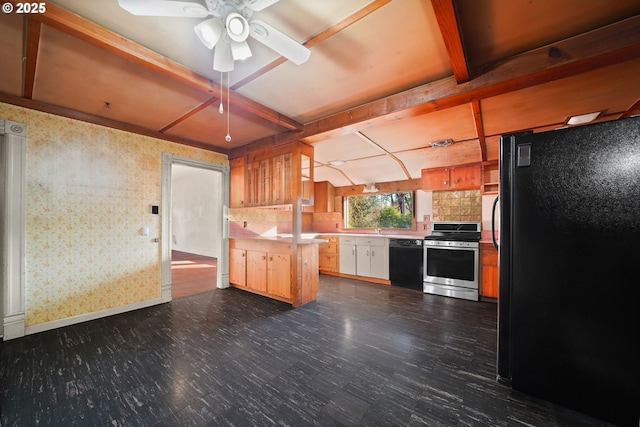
column 362, row 354
column 192, row 274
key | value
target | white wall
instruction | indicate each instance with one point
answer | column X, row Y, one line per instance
column 196, row 198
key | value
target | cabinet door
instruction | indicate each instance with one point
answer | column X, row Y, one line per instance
column 252, row 184
column 237, row 266
column 363, row 260
column 265, row 185
column 279, row 275
column 236, row 183
column 489, row 271
column 348, row 258
column 257, row 270
column 466, row 177
column 379, row 262
column 435, row 179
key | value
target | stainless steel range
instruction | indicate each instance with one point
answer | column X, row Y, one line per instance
column 451, row 260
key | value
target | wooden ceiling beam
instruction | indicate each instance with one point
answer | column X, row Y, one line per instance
column 477, row 118
column 631, row 110
column 102, row 121
column 189, row 114
column 448, row 23
column 76, row 26
column 596, row 49
column 32, row 45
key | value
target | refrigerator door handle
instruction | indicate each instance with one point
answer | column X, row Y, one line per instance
column 493, row 223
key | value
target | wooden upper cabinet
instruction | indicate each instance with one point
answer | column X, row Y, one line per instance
column 324, row 197
column 236, row 179
column 274, row 176
column 465, row 177
column 435, row 179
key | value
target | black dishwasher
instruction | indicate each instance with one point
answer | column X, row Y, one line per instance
column 406, row 263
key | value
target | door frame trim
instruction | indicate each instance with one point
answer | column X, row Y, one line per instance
column 168, row 160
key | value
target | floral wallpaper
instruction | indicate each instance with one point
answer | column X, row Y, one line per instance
column 89, row 193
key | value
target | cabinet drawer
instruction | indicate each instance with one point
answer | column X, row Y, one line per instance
column 371, row 241
column 347, row 240
column 329, row 248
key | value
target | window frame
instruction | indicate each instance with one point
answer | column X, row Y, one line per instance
column 345, row 210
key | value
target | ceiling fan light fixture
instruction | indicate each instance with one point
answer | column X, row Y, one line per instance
column 237, row 27
column 222, row 57
column 240, row 50
column 209, row 32
column 583, row 118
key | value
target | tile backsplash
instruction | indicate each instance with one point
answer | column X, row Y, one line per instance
column 457, row 205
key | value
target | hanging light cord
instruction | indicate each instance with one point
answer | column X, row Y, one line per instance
column 221, row 108
column 228, row 137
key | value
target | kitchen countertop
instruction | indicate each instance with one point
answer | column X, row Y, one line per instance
column 283, row 239
column 392, row 236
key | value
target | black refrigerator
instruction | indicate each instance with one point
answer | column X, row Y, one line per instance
column 569, row 260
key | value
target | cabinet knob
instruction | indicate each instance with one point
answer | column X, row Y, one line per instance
column 444, row 183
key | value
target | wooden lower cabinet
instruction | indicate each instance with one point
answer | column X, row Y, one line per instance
column 274, row 269
column 329, row 255
column 279, row 275
column 238, row 266
column 257, row 270
column 488, row 271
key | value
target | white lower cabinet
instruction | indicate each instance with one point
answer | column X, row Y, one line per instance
column 348, row 255
column 365, row 256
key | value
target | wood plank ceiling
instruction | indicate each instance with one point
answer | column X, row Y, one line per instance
column 385, row 78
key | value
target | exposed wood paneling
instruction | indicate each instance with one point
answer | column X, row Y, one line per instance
column 89, row 118
column 332, row 30
column 606, row 46
column 385, row 187
column 79, row 27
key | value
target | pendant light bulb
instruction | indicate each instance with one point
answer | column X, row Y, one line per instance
column 227, row 138
column 221, row 108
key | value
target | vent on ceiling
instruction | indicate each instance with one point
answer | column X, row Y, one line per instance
column 442, row 143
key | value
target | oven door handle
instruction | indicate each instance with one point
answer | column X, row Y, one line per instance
column 493, row 223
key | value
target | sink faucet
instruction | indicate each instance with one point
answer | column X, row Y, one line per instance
column 377, row 231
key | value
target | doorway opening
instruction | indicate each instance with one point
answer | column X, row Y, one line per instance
column 194, row 233
column 195, row 229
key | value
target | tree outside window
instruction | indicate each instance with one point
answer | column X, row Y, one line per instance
column 387, row 210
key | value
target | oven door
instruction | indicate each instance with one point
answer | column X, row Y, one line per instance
column 453, row 266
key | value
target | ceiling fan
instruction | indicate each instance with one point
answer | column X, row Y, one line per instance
column 227, row 30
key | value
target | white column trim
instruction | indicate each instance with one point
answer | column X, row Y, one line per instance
column 13, row 231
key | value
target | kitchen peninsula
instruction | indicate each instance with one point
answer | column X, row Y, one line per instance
column 277, row 267
column 272, row 187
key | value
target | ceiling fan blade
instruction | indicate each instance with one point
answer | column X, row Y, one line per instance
column 280, row 42
column 222, row 57
column 258, row 5
column 186, row 9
